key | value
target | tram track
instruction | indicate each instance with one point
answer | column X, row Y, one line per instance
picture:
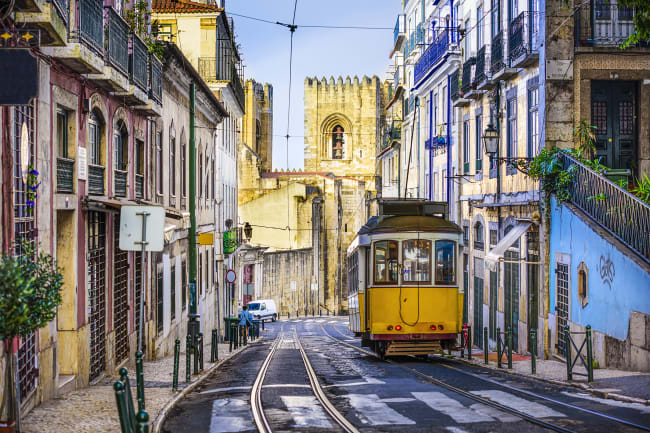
column 261, row 421
column 488, row 402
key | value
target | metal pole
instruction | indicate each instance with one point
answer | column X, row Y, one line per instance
column 177, row 354
column 590, row 360
column 195, row 349
column 485, row 343
column 139, row 377
column 193, row 325
column 469, row 342
column 188, row 358
column 213, row 346
column 130, row 410
column 143, row 244
column 143, row 422
column 125, row 426
column 499, row 347
column 567, row 339
column 509, row 331
column 533, row 350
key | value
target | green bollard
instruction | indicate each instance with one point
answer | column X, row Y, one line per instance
column 590, row 357
column 485, row 343
column 142, row 419
column 469, row 342
column 195, row 347
column 533, row 352
column 231, row 339
column 567, row 342
column 499, row 347
column 201, row 350
column 188, row 358
column 130, row 410
column 177, row 354
column 139, row 376
column 213, row 346
column 509, row 331
column 120, row 399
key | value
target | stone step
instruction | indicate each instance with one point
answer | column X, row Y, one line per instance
column 66, row 384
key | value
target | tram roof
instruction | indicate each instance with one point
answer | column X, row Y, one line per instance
column 411, row 223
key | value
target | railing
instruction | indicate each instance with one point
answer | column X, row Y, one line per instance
column 138, row 62
column 95, row 179
column 497, row 59
column 155, row 79
column 399, row 28
column 419, row 34
column 63, row 9
column 90, row 28
column 431, row 56
column 119, row 182
column 64, row 175
column 481, row 63
column 117, row 49
column 466, row 84
column 603, row 23
column 454, row 87
column 139, row 186
column 616, row 210
column 523, row 35
column 396, row 130
column 411, row 44
column 222, row 69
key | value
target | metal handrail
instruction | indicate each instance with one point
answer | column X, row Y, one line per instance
column 117, row 49
column 482, row 64
column 431, row 56
column 603, row 23
column 90, row 26
column 497, row 58
column 622, row 214
column 523, row 34
column 138, row 59
column 155, row 79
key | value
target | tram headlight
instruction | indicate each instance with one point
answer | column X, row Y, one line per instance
column 433, row 327
column 398, row 327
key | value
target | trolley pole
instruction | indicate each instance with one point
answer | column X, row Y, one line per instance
column 193, row 325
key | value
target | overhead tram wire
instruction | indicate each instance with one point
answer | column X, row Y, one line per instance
column 314, row 26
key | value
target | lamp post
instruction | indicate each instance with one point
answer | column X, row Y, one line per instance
column 491, row 144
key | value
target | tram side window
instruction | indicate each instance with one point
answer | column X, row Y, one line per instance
column 416, row 260
column 353, row 273
column 445, row 262
column 386, row 262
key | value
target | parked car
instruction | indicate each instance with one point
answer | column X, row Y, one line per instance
column 263, row 309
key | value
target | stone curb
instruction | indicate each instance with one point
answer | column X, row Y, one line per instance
column 162, row 415
column 580, row 386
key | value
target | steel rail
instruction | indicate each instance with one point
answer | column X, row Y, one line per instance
column 259, row 417
column 320, row 394
column 460, row 391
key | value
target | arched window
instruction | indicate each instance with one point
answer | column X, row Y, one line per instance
column 120, row 146
column 95, row 132
column 258, row 136
column 479, row 236
column 338, row 142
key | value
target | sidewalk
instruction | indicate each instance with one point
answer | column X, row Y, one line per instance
column 629, row 386
column 93, row 409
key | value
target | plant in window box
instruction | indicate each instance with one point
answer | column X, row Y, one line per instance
column 31, row 185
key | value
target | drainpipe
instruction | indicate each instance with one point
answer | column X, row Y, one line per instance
column 430, row 141
column 419, row 157
column 449, row 139
column 193, row 325
column 399, row 170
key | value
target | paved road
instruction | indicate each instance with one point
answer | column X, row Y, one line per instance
column 375, row 396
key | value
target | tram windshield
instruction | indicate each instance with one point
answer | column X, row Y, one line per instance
column 445, row 262
column 416, row 260
column 386, row 253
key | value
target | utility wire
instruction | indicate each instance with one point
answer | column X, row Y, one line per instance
column 292, row 29
column 318, row 26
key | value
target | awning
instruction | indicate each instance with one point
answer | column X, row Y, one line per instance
column 398, row 94
column 496, row 253
column 105, row 204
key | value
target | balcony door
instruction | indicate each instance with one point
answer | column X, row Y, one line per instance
column 613, row 112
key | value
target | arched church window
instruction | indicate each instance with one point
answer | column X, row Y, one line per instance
column 338, row 141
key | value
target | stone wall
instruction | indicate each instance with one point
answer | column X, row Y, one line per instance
column 287, row 277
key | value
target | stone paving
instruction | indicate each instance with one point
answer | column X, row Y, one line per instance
column 93, row 409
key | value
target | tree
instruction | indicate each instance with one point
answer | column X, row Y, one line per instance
column 30, row 291
column 641, row 33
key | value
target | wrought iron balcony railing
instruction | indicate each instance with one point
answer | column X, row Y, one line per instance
column 155, row 79
column 603, row 23
column 63, row 9
column 64, row 175
column 90, row 25
column 138, row 59
column 431, row 56
column 497, row 58
column 119, row 182
column 117, row 46
column 222, row 69
column 616, row 210
column 139, row 186
column 468, row 77
column 399, row 32
column 95, row 179
column 481, row 64
column 454, row 85
column 523, row 35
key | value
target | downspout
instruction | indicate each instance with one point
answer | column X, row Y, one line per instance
column 418, row 144
column 449, row 140
column 193, row 324
column 399, row 171
column 430, row 141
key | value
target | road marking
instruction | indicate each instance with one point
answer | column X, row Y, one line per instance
column 306, row 411
column 486, row 410
column 333, row 321
column 370, row 410
column 524, row 406
column 453, row 429
column 637, row 406
column 232, row 388
column 397, row 400
column 450, row 407
column 369, row 381
column 230, row 415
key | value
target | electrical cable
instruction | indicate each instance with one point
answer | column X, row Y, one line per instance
column 295, row 26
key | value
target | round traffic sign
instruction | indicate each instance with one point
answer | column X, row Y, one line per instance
column 231, row 276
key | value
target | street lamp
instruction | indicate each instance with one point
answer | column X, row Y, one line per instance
column 491, row 140
column 248, row 231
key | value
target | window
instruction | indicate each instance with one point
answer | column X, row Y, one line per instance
column 512, row 10
column 95, row 127
column 212, row 172
column 479, row 236
column 416, row 261
column 159, row 163
column 494, row 238
column 120, row 145
column 184, row 284
column 583, row 284
column 494, row 165
column 139, row 157
column 183, row 168
column 494, row 21
column 200, row 180
column 511, row 133
column 466, row 146
column 479, row 27
column 386, row 262
column 62, row 133
column 465, row 235
column 443, row 185
column 172, row 164
column 533, row 122
column 445, row 262
column 207, row 176
column 172, row 282
column 478, row 148
column 199, row 282
column 338, row 141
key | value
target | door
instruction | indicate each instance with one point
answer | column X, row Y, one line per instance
column 494, row 287
column 532, row 243
column 613, row 113
column 120, row 295
column 562, row 306
column 97, row 291
column 511, row 287
column 478, row 311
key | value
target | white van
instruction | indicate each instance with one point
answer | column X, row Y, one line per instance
column 263, row 309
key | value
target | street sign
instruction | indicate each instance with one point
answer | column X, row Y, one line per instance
column 131, row 228
column 205, row 238
column 231, row 276
column 19, row 72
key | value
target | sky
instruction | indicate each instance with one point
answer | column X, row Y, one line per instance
column 316, row 52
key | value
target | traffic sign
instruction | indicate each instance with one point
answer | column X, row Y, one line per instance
column 231, row 276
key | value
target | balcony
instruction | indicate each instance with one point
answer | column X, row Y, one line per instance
column 154, row 72
column 114, row 77
column 455, row 90
column 95, row 179
column 138, row 72
column 220, row 69
column 482, row 76
column 431, row 56
column 468, row 86
column 523, row 40
column 139, row 186
column 85, row 51
column 619, row 212
column 499, row 65
column 393, row 133
column 120, row 182
column 399, row 34
column 603, row 23
column 64, row 175
column 50, row 17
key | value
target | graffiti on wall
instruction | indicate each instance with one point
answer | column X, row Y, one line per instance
column 607, row 270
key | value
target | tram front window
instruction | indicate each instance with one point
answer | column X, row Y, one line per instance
column 416, row 260
column 445, row 262
column 386, row 262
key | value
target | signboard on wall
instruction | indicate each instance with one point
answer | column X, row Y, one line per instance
column 293, row 286
column 82, row 164
column 19, row 72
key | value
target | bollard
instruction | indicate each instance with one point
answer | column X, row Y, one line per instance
column 188, row 358
column 533, row 351
column 567, row 342
column 469, row 342
column 485, row 343
column 509, row 331
column 142, row 419
column 213, row 346
column 195, row 347
column 130, row 410
column 120, row 399
column 245, row 334
column 139, row 377
column 499, row 347
column 201, row 350
column 177, row 354
column 590, row 358
column 262, row 325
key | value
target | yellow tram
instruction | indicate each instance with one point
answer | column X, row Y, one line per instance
column 403, row 284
